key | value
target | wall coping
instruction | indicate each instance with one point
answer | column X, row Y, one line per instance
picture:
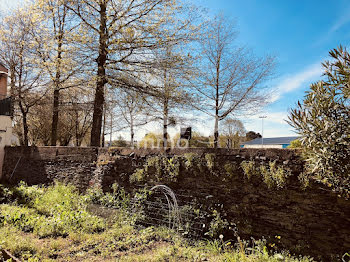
column 45, row 152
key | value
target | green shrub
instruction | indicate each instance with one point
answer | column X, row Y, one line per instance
column 295, row 144
column 190, row 159
column 274, row 176
column 5, row 194
column 217, row 225
column 249, row 169
column 322, row 120
column 304, row 180
column 117, row 199
column 230, row 169
column 210, row 158
column 158, row 169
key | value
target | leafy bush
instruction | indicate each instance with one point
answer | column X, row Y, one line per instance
column 322, row 120
column 158, row 169
column 249, row 168
column 210, row 158
column 230, row 169
column 190, row 159
column 295, row 144
column 5, row 194
column 217, row 225
column 272, row 174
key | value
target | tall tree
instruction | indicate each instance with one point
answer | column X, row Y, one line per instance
column 131, row 106
column 26, row 86
column 233, row 130
column 54, row 41
column 173, row 94
column 232, row 78
column 122, row 34
column 74, row 122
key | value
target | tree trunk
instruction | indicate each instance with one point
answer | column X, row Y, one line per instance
column 25, row 128
column 165, row 123
column 12, row 80
column 104, row 126
column 56, row 95
column 131, row 131
column 216, row 127
column 216, row 132
column 111, row 131
column 76, row 129
column 24, row 123
column 101, row 79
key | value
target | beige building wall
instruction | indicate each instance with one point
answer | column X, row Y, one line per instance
column 3, row 82
column 5, row 137
column 263, row 146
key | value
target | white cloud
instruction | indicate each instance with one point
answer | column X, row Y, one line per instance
column 271, row 117
column 341, row 21
column 290, row 83
column 275, row 124
column 278, row 132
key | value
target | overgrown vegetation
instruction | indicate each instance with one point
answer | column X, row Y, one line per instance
column 322, row 120
column 167, row 169
column 58, row 223
column 272, row 175
column 158, row 169
column 55, row 211
column 295, row 144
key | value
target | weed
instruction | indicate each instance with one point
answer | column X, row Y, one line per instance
column 274, row 176
column 190, row 159
column 158, row 169
column 249, row 169
column 230, row 169
column 32, row 231
column 210, row 158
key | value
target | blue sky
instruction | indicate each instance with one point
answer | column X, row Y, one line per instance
column 299, row 33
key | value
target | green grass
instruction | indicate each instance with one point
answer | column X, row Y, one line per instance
column 57, row 223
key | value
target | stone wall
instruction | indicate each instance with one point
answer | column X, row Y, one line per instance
column 312, row 221
column 40, row 165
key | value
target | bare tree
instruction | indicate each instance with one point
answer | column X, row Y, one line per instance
column 122, row 35
column 54, row 36
column 77, row 110
column 26, row 86
column 232, row 78
column 134, row 113
column 233, row 132
column 173, row 95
